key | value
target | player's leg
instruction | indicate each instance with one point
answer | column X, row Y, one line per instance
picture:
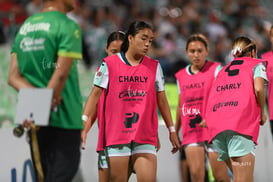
column 184, row 167
column 118, row 157
column 103, row 171
column 219, row 168
column 242, row 157
column 196, row 161
column 243, row 168
column 144, row 161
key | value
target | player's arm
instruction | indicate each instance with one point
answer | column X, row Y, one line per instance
column 260, row 96
column 90, row 111
column 178, row 117
column 90, row 108
column 178, row 113
column 59, row 77
column 260, row 78
column 100, row 82
column 15, row 78
column 164, row 109
column 69, row 49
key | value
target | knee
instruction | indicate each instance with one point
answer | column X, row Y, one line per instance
column 197, row 174
column 239, row 178
column 220, row 178
column 118, row 178
column 221, row 175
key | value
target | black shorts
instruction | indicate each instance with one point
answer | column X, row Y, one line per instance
column 59, row 153
column 182, row 154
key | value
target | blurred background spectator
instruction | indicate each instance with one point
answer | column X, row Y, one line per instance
column 12, row 15
column 33, row 7
column 173, row 20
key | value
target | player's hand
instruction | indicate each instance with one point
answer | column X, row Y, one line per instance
column 175, row 142
column 202, row 124
column 263, row 119
column 55, row 102
column 26, row 123
column 83, row 136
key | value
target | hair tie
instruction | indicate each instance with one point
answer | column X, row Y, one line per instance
column 235, row 50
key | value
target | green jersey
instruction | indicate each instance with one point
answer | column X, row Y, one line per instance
column 40, row 40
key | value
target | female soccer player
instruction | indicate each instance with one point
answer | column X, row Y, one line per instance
column 236, row 108
column 194, row 83
column 113, row 45
column 268, row 56
column 135, row 88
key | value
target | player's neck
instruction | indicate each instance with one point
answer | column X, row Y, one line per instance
column 52, row 6
column 133, row 59
column 196, row 68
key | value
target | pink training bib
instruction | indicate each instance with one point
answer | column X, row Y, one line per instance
column 193, row 100
column 268, row 56
column 130, row 105
column 232, row 104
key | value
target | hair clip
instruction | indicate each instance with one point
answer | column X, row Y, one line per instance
column 236, row 50
column 121, row 32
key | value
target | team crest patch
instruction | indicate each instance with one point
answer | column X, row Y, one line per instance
column 99, row 73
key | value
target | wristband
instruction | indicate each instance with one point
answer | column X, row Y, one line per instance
column 84, row 118
column 171, row 129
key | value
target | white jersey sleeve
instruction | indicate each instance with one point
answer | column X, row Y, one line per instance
column 101, row 78
column 217, row 70
column 159, row 82
column 178, row 87
column 260, row 71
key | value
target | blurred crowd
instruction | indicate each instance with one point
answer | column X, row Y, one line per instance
column 173, row 22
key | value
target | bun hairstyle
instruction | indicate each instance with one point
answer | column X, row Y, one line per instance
column 197, row 37
column 242, row 46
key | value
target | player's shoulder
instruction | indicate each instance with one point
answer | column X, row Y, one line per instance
column 68, row 21
column 61, row 19
column 255, row 60
column 182, row 71
column 246, row 60
column 52, row 17
column 213, row 63
column 267, row 54
column 112, row 58
column 150, row 59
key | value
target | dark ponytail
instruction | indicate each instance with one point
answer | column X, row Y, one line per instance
column 119, row 35
column 133, row 29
